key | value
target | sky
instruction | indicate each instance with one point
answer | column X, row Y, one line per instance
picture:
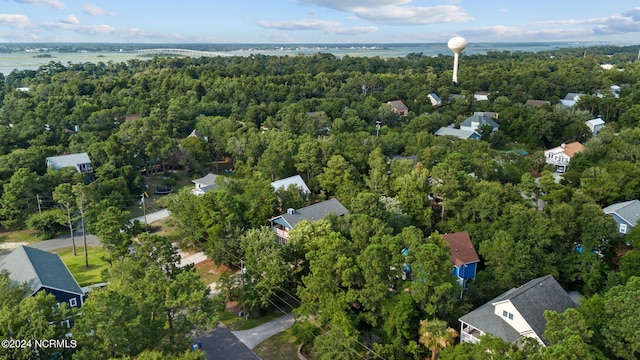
column 318, row 21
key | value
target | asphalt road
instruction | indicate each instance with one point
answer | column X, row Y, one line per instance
column 65, row 241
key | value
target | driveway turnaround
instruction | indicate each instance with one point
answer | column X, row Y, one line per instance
column 258, row 334
column 220, row 343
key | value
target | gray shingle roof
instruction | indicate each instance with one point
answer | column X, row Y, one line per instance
column 39, row 269
column 480, row 119
column 531, row 300
column 314, row 212
column 59, row 162
column 627, row 210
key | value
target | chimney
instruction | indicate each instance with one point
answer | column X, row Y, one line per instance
column 563, row 145
column 291, row 211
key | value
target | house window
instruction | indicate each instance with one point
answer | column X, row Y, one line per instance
column 623, row 228
column 507, row 314
column 73, row 302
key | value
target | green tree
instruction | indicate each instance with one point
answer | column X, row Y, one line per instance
column 113, row 230
column 150, row 299
column 267, row 273
column 620, row 335
column 378, row 179
column 435, row 336
column 63, row 195
column 18, row 199
column 25, row 317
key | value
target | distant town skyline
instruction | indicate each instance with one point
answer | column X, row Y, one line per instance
column 317, row 21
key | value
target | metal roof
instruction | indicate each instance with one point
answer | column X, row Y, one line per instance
column 460, row 134
column 208, row 180
column 39, row 268
column 59, row 162
column 291, row 180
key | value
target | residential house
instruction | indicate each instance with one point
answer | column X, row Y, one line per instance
column 435, row 100
column 561, row 156
column 282, row 224
column 398, row 107
column 204, row 184
column 459, row 133
column 291, row 180
column 79, row 161
column 536, row 103
column 570, row 99
column 517, row 313
column 463, row 256
column 595, row 125
column 42, row 271
column 481, row 96
column 626, row 214
column 478, row 119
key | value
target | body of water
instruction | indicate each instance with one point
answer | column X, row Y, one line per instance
column 32, row 60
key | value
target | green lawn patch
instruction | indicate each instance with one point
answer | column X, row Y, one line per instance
column 281, row 346
column 19, row 236
column 85, row 276
column 235, row 322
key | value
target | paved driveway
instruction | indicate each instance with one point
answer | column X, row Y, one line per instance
column 220, row 343
column 258, row 334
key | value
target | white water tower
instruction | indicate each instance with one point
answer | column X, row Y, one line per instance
column 456, row 44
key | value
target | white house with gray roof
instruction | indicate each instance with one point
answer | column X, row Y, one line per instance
column 204, row 184
column 517, row 313
column 282, row 224
column 626, row 214
column 42, row 271
column 459, row 133
column 478, row 119
column 79, row 161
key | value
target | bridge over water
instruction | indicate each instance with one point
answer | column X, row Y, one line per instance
column 180, row 52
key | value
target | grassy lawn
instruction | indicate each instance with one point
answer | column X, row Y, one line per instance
column 281, row 346
column 235, row 322
column 182, row 180
column 27, row 236
column 76, row 263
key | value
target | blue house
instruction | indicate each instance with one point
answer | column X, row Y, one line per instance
column 463, row 256
column 42, row 271
column 626, row 214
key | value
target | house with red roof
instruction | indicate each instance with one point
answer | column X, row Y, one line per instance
column 463, row 256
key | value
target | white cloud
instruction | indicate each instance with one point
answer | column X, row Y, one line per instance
column 411, row 15
column 71, row 19
column 326, row 26
column 83, row 29
column 53, row 3
column 15, row 21
column 347, row 5
column 396, row 12
column 94, row 10
column 303, row 24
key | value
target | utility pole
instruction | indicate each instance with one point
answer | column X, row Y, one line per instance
column 84, row 238
column 39, row 203
column 144, row 211
column 242, row 272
